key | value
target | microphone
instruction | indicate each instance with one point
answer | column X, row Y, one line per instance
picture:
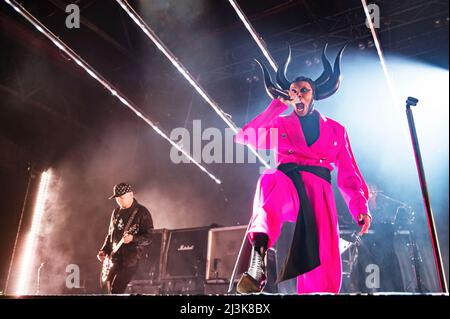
column 279, row 93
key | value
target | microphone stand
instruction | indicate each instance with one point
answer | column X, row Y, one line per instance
column 38, row 281
column 426, row 198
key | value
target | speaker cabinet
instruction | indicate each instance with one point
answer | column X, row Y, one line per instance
column 223, row 248
column 185, row 254
column 152, row 258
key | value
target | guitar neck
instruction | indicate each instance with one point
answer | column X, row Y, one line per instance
column 117, row 247
column 120, row 243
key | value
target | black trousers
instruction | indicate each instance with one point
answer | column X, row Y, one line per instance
column 120, row 280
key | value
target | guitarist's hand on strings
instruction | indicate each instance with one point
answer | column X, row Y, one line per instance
column 101, row 255
column 127, row 238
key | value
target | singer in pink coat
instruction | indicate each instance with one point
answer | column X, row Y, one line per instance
column 276, row 200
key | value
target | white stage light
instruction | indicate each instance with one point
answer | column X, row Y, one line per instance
column 27, row 259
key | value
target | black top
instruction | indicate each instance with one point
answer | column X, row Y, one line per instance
column 310, row 126
column 142, row 222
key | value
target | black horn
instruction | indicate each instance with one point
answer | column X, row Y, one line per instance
column 327, row 69
column 330, row 87
column 272, row 90
column 282, row 79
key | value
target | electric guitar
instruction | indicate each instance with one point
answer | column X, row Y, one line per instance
column 109, row 262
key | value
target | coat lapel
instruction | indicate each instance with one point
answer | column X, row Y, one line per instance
column 295, row 134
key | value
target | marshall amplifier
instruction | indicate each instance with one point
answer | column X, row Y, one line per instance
column 152, row 257
column 185, row 254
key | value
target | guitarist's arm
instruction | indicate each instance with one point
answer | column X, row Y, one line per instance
column 144, row 236
column 107, row 245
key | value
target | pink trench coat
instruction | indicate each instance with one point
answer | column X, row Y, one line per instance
column 276, row 200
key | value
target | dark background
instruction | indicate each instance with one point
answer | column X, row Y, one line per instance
column 53, row 115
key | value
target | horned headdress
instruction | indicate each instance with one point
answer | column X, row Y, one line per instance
column 324, row 86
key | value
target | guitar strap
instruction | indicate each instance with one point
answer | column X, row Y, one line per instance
column 127, row 226
column 130, row 220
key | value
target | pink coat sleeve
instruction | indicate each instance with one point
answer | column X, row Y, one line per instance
column 350, row 181
column 261, row 131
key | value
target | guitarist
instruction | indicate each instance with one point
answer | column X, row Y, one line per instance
column 132, row 214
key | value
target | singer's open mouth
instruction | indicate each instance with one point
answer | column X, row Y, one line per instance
column 300, row 106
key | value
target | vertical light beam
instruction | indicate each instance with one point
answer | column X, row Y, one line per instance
column 28, row 256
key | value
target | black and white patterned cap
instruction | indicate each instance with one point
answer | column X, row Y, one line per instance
column 120, row 189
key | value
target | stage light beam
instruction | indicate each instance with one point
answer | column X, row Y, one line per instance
column 99, row 78
column 182, row 69
column 258, row 39
column 388, row 77
column 28, row 255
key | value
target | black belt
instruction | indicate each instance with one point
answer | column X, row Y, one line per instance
column 303, row 255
